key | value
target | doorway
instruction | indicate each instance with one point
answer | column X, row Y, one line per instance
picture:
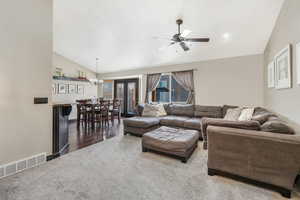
column 127, row 90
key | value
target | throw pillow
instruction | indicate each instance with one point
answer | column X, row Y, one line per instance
column 233, row 114
column 226, row 107
column 277, row 126
column 246, row 114
column 262, row 118
column 151, row 110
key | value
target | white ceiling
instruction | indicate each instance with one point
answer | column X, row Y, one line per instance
column 121, row 32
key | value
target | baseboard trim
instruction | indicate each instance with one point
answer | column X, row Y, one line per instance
column 283, row 191
column 52, row 156
column 56, row 155
column 17, row 166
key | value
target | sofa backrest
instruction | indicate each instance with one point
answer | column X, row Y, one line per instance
column 181, row 110
column 208, row 111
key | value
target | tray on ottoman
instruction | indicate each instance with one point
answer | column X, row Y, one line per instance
column 179, row 143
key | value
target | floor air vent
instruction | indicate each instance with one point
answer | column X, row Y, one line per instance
column 2, row 172
column 10, row 169
column 41, row 159
column 31, row 162
column 20, row 165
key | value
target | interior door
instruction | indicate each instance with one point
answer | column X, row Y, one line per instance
column 127, row 90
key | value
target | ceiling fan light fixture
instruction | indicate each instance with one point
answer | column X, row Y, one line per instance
column 180, row 37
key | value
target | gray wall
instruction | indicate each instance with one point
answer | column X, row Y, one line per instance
column 287, row 30
column 25, row 72
column 235, row 81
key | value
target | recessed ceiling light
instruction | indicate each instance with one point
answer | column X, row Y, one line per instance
column 226, row 36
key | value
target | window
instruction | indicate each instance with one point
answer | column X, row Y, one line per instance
column 179, row 94
column 169, row 90
column 162, row 91
column 108, row 89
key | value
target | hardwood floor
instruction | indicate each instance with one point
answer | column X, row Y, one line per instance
column 83, row 137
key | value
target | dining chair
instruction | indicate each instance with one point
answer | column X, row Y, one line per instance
column 101, row 113
column 83, row 114
column 115, row 110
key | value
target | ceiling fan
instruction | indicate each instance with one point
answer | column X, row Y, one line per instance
column 181, row 38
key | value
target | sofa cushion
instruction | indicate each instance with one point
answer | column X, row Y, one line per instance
column 193, row 123
column 154, row 110
column 208, row 111
column 141, row 122
column 181, row 110
column 277, row 126
column 248, row 125
column 172, row 120
column 225, row 108
column 167, row 108
column 138, row 131
column 260, row 110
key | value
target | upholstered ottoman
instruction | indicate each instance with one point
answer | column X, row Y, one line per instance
column 179, row 143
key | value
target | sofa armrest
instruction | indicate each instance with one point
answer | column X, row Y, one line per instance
column 247, row 125
column 267, row 157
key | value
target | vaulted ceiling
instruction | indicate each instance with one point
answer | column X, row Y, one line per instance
column 129, row 34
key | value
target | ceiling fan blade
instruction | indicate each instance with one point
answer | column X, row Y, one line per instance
column 160, row 38
column 164, row 47
column 184, row 46
column 196, row 39
column 185, row 33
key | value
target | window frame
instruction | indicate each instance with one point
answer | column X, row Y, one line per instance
column 170, row 93
column 112, row 89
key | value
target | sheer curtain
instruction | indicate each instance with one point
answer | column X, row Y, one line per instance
column 186, row 80
column 152, row 82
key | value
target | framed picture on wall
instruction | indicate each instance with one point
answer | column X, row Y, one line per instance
column 72, row 89
column 298, row 62
column 62, row 88
column 80, row 89
column 283, row 68
column 271, row 74
column 53, row 88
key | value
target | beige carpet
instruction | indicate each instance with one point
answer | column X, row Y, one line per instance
column 116, row 169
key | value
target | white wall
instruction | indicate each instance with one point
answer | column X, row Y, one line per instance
column 286, row 31
column 236, row 81
column 70, row 69
column 25, row 73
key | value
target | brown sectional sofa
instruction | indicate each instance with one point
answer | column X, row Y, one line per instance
column 180, row 116
column 267, row 159
column 264, row 151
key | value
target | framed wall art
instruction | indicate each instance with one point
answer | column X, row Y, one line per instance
column 62, row 88
column 298, row 62
column 54, row 88
column 271, row 74
column 80, row 89
column 283, row 68
column 72, row 89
